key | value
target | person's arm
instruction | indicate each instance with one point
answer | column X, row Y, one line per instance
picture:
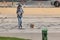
column 22, row 10
column 17, row 11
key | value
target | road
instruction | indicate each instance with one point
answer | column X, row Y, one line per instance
column 32, row 36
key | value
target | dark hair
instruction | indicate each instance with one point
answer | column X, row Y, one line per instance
column 19, row 6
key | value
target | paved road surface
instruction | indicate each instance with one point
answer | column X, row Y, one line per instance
column 33, row 36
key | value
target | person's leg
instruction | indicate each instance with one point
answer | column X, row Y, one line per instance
column 21, row 22
column 18, row 22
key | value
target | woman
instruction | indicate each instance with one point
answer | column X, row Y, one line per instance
column 19, row 16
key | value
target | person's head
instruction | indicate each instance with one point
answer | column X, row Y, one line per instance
column 19, row 6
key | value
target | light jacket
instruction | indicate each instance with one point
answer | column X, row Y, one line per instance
column 20, row 12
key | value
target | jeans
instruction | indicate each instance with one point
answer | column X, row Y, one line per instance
column 19, row 22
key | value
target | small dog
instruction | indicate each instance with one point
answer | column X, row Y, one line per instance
column 31, row 25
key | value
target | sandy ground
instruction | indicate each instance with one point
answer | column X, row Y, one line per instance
column 8, row 27
column 32, row 11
